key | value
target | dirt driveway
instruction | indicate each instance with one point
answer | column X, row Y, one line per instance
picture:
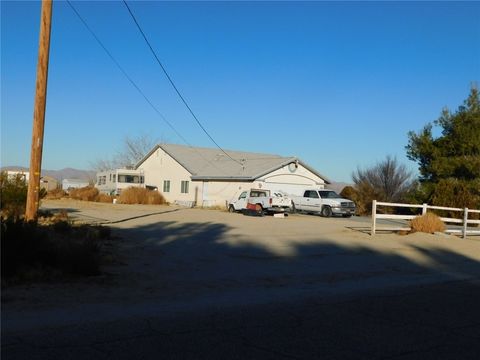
column 183, row 258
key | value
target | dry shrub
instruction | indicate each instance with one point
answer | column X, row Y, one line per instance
column 104, row 198
column 88, row 193
column 55, row 194
column 46, row 217
column 13, row 195
column 34, row 252
column 428, row 223
column 362, row 195
column 136, row 195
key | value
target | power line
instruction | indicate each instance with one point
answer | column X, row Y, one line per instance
column 136, row 86
column 173, row 84
column 125, row 73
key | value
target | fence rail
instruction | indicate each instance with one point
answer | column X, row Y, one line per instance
column 464, row 222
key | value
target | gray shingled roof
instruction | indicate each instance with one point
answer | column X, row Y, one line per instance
column 210, row 163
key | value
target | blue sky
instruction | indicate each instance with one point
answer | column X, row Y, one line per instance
column 338, row 84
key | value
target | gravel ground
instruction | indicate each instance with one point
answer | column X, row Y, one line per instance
column 181, row 268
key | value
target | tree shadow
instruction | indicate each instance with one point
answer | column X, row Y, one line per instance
column 190, row 283
column 195, row 259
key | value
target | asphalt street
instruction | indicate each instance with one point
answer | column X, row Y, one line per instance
column 440, row 321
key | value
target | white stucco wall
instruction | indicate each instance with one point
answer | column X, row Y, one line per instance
column 292, row 180
column 160, row 167
column 217, row 193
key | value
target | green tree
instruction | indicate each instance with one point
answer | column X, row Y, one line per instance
column 449, row 164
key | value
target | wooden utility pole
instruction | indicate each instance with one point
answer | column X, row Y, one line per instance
column 39, row 112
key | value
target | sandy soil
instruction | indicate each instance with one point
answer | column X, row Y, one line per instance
column 171, row 258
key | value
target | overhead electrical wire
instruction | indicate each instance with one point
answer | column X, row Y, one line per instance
column 174, row 86
column 136, row 86
column 125, row 73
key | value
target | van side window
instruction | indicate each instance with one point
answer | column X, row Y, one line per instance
column 243, row 195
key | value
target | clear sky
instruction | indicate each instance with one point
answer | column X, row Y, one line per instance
column 338, row 84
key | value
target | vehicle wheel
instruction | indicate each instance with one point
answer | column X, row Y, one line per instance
column 231, row 209
column 326, row 211
column 259, row 209
column 293, row 209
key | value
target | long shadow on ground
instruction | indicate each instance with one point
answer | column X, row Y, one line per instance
column 238, row 299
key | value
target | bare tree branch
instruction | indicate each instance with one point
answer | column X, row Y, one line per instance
column 133, row 150
column 387, row 181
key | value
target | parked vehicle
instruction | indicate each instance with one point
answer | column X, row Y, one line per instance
column 280, row 199
column 324, row 202
column 112, row 182
column 260, row 200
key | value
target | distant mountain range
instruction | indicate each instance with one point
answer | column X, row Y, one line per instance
column 67, row 173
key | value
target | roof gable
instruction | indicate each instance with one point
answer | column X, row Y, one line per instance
column 211, row 163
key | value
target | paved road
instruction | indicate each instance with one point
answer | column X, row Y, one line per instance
column 439, row 321
column 193, row 284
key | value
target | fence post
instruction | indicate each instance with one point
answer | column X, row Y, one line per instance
column 465, row 222
column 374, row 217
column 424, row 209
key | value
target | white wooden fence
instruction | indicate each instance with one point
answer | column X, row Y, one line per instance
column 464, row 223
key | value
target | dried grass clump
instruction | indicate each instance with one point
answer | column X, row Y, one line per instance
column 136, row 195
column 88, row 193
column 104, row 198
column 428, row 223
column 47, row 217
column 55, row 194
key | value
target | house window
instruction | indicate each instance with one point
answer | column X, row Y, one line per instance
column 184, row 189
column 166, row 186
column 114, row 177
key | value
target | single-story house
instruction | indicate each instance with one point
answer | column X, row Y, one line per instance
column 196, row 176
column 23, row 175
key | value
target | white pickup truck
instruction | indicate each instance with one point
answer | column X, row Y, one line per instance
column 262, row 200
column 324, row 202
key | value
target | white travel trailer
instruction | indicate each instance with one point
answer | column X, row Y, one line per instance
column 112, row 182
column 70, row 184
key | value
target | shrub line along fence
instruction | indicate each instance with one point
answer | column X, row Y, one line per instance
column 464, row 231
